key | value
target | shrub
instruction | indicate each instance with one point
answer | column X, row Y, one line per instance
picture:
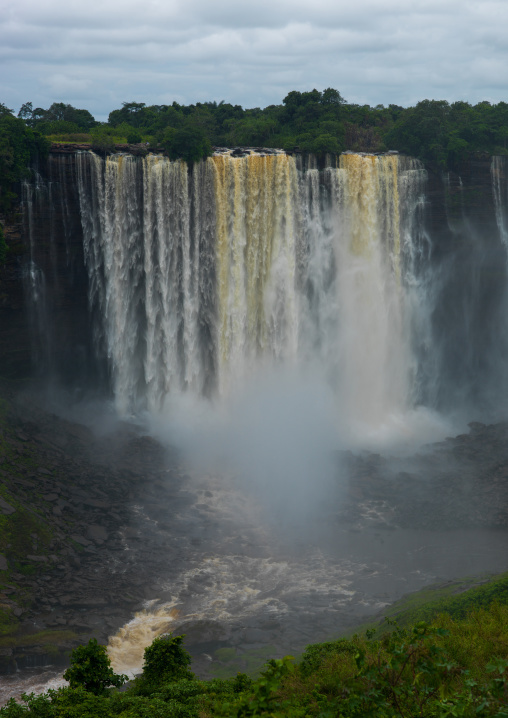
column 188, row 143
column 166, row 660
column 134, row 137
column 91, row 669
column 102, row 139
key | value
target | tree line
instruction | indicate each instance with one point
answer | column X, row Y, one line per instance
column 319, row 122
column 20, row 146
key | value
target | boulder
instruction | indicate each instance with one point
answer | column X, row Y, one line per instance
column 6, row 508
column 97, row 533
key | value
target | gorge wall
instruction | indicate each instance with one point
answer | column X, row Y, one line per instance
column 140, row 277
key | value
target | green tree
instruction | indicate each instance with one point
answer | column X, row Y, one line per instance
column 423, row 131
column 188, row 143
column 166, row 660
column 134, row 137
column 322, row 144
column 26, row 111
column 131, row 112
column 58, row 112
column 4, row 110
column 67, row 113
column 103, row 139
column 332, row 97
column 19, row 146
column 58, row 127
column 91, row 669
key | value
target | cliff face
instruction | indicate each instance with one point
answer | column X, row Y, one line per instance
column 15, row 351
column 44, row 315
column 47, row 327
column 469, row 276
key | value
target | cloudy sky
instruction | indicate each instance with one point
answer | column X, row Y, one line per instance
column 100, row 53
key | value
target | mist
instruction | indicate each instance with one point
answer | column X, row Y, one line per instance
column 278, row 438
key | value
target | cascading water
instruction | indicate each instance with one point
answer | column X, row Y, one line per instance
column 203, row 279
column 35, row 279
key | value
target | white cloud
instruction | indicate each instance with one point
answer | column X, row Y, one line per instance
column 99, row 54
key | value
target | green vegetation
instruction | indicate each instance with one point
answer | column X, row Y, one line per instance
column 435, row 131
column 19, row 147
column 454, row 665
column 323, row 122
column 19, row 526
column 24, row 531
column 16, row 542
column 59, row 118
column 446, row 134
column 251, row 660
column 48, row 639
column 103, row 139
column 91, row 669
column 166, row 660
column 187, row 143
column 134, row 137
column 456, row 598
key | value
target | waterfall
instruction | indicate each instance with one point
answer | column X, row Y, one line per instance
column 33, row 195
column 257, row 208
column 201, row 279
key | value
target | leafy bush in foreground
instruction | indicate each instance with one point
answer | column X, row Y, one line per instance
column 452, row 667
column 91, row 669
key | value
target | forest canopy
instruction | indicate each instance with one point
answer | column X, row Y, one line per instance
column 19, row 146
column 435, row 131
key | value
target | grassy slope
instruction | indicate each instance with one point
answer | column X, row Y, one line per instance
column 455, row 598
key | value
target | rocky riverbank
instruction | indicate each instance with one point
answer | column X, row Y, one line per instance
column 459, row 483
column 72, row 564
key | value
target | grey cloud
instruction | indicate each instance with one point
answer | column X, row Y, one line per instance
column 372, row 50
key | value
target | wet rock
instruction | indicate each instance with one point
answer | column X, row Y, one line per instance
column 256, row 635
column 6, row 508
column 91, row 602
column 81, row 540
column 97, row 533
column 198, row 632
column 96, row 503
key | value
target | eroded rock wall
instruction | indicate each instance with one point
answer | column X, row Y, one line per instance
column 44, row 317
